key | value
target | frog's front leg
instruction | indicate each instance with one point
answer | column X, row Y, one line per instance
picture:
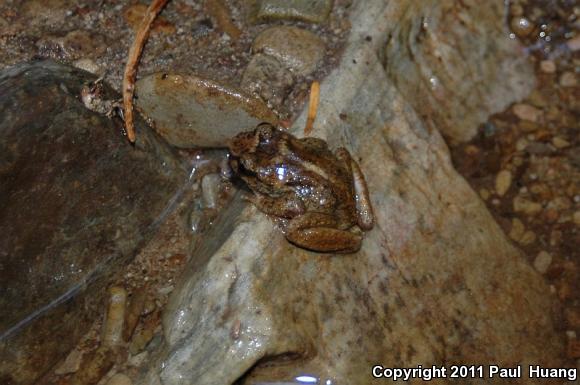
column 364, row 210
column 319, row 232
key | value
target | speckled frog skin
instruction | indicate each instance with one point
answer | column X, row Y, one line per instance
column 322, row 196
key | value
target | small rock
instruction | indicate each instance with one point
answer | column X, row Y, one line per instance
column 71, row 364
column 527, row 112
column 134, row 15
column 560, row 203
column 568, row 79
column 574, row 43
column 298, row 49
column 548, row 66
column 528, row 238
column 521, row 144
column 266, row 76
column 484, row 194
column 521, row 26
column 517, row 231
column 210, row 187
column 526, row 206
column 542, row 262
column 87, row 65
column 576, row 217
column 189, row 111
column 559, row 142
column 503, row 181
column 119, row 379
column 312, row 11
column 539, row 148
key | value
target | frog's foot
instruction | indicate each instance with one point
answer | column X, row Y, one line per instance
column 319, row 232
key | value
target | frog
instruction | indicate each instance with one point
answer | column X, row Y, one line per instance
column 319, row 196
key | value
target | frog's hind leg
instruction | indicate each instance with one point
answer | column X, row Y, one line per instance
column 364, row 209
column 319, row 232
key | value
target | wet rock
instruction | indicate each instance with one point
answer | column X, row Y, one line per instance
column 297, row 49
column 527, row 112
column 119, row 379
column 574, row 43
column 521, row 26
column 560, row 142
column 548, row 66
column 312, row 11
column 189, row 111
column 526, row 206
column 267, row 77
column 542, row 262
column 426, row 38
column 133, row 15
column 568, row 79
column 87, row 65
column 503, row 181
column 252, row 308
column 77, row 202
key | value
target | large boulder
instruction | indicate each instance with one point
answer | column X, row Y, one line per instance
column 76, row 203
column 435, row 283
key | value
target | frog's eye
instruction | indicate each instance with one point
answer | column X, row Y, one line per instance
column 265, row 132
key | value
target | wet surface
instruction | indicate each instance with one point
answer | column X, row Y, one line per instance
column 189, row 39
column 77, row 202
column 525, row 164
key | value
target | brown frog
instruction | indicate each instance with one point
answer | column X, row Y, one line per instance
column 320, row 195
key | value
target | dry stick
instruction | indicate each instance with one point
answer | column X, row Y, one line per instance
column 312, row 106
column 133, row 61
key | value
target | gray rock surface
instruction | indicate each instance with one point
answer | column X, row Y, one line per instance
column 76, row 202
column 313, row 11
column 189, row 111
column 436, row 281
column 454, row 62
column 267, row 77
column 298, row 49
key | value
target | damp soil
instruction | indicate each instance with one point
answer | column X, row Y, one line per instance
column 185, row 39
column 525, row 161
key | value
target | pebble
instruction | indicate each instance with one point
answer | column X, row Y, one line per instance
column 119, row 379
column 528, row 238
column 134, row 15
column 521, row 144
column 71, row 363
column 517, row 230
column 521, row 26
column 526, row 206
column 298, row 49
column 560, row 203
column 503, row 181
column 527, row 112
column 548, row 66
column 574, row 43
column 576, row 217
column 87, row 65
column 484, row 194
column 542, row 261
column 568, row 79
column 559, row 142
column 312, row 11
column 268, row 78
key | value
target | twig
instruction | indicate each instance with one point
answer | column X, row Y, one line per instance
column 312, row 106
column 132, row 62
